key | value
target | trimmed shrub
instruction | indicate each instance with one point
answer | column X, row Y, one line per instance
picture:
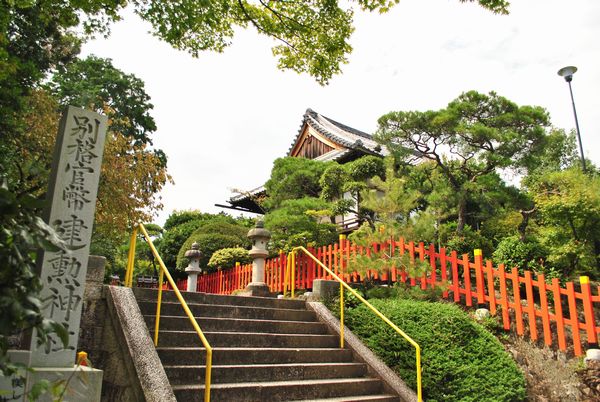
column 526, row 255
column 173, row 239
column 212, row 237
column 461, row 361
column 227, row 257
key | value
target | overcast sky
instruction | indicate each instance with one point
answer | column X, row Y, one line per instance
column 223, row 118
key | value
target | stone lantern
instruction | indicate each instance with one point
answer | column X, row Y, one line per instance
column 260, row 237
column 193, row 269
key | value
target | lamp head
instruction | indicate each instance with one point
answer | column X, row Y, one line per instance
column 567, row 72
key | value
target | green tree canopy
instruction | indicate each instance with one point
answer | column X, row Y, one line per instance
column 568, row 204
column 94, row 83
column 294, row 178
column 475, row 135
column 299, row 222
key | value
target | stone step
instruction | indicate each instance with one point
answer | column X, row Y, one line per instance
column 281, row 390
column 229, row 311
column 358, row 398
column 180, row 375
column 143, row 294
column 247, row 339
column 209, row 324
column 222, row 356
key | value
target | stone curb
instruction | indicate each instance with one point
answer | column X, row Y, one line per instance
column 137, row 347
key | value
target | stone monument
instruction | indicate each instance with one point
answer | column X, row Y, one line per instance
column 72, row 190
column 193, row 268
column 260, row 237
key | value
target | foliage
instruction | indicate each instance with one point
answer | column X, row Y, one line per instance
column 464, row 242
column 178, row 218
column 405, row 291
column 35, row 37
column 558, row 153
column 525, row 255
column 383, row 258
column 132, row 175
column 173, row 239
column 342, row 185
column 180, row 225
column 461, row 361
column 365, row 168
column 293, row 178
column 390, row 199
column 480, row 133
column 95, row 83
column 292, row 224
column 212, row 237
column 227, row 257
column 312, row 35
column 568, row 204
column 22, row 233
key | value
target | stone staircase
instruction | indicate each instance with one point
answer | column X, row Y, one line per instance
column 263, row 350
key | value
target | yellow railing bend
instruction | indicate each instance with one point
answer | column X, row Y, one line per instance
column 343, row 284
column 165, row 272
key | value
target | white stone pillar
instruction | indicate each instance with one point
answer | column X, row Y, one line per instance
column 193, row 268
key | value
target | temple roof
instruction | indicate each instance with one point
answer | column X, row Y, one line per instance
column 337, row 142
column 341, row 134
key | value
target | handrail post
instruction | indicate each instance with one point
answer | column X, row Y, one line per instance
column 131, row 258
column 293, row 273
column 158, row 305
column 341, row 265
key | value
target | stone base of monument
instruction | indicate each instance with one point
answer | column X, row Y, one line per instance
column 257, row 289
column 82, row 384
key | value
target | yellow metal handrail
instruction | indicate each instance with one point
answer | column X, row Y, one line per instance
column 290, row 268
column 164, row 271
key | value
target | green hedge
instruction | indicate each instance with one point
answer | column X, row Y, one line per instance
column 461, row 361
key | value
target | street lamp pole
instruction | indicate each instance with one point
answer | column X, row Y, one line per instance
column 567, row 73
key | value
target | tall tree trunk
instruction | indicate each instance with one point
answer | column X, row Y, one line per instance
column 522, row 228
column 462, row 214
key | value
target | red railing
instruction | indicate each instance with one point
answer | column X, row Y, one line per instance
column 526, row 303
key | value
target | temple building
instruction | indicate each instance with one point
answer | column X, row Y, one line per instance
column 322, row 139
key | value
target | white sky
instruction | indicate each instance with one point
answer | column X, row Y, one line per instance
column 224, row 118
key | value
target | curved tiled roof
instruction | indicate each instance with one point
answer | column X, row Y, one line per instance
column 337, row 132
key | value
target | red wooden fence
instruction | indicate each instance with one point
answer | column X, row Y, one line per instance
column 526, row 303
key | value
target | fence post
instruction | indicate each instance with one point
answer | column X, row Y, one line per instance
column 545, row 313
column 530, row 306
column 220, row 281
column 560, row 324
column 588, row 310
column 444, row 271
column 479, row 277
column 573, row 318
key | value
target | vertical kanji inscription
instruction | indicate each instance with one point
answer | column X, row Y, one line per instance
column 72, row 200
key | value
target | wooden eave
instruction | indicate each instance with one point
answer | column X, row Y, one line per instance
column 308, row 131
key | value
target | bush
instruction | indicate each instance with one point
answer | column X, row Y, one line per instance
column 173, row 239
column 461, row 361
column 513, row 252
column 465, row 242
column 227, row 257
column 212, row 237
